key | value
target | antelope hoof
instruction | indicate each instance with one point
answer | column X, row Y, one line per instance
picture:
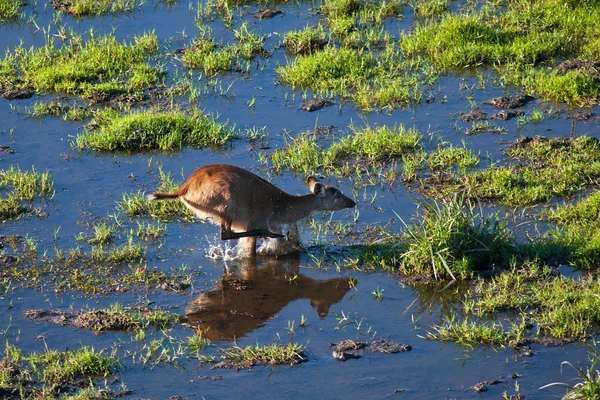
column 280, row 247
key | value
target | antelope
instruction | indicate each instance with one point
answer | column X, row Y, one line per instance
column 246, row 206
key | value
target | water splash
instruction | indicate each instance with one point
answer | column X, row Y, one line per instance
column 220, row 250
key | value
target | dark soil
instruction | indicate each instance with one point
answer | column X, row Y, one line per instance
column 470, row 116
column 510, row 101
column 505, row 115
column 17, row 93
column 307, row 48
column 580, row 115
column 588, row 66
column 267, row 13
column 342, row 348
column 96, row 321
column 315, row 104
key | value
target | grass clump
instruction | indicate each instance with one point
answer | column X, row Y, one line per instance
column 17, row 188
column 275, row 354
column 345, row 17
column 362, row 148
column 454, row 240
column 136, row 204
column 97, row 68
column 81, row 8
column 539, row 297
column 430, row 8
column 305, row 41
column 589, row 385
column 577, row 244
column 468, row 333
column 541, row 169
column 59, row 109
column 114, row 318
column 584, row 211
column 449, row 240
column 22, row 374
column 152, row 130
column 9, row 10
column 212, row 58
column 371, row 79
column 519, row 39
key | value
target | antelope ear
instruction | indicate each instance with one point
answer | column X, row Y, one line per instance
column 315, row 186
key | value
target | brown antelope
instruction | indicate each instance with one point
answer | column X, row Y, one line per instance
column 247, row 206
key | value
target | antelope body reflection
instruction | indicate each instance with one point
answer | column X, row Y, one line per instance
column 250, row 295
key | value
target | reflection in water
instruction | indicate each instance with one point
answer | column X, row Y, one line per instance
column 446, row 297
column 248, row 296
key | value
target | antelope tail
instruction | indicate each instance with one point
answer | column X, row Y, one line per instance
column 162, row 196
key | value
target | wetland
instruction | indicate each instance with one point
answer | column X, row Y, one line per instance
column 467, row 132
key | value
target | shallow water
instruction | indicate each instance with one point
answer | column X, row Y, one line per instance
column 273, row 300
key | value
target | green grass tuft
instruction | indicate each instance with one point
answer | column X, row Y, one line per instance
column 20, row 188
column 80, row 8
column 9, row 9
column 149, row 130
column 96, row 68
column 136, row 204
column 275, row 354
column 362, row 148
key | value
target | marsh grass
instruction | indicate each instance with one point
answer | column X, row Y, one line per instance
column 133, row 131
column 430, row 8
column 10, row 10
column 346, row 16
column 586, row 210
column 449, row 240
column 371, row 79
column 470, row 333
column 362, row 148
column 60, row 109
column 98, row 67
column 120, row 318
column 212, row 58
column 577, row 244
column 103, row 234
column 305, row 41
column 275, row 354
column 455, row 239
column 588, row 386
column 21, row 373
column 136, row 204
column 81, row 8
column 540, row 169
column 517, row 38
column 150, row 231
column 18, row 190
column 539, row 297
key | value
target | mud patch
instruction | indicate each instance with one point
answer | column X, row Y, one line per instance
column 505, row 115
column 101, row 321
column 267, row 13
column 17, row 93
column 315, row 105
column 470, row 116
column 510, row 101
column 486, row 129
column 580, row 115
column 98, row 321
column 587, row 66
column 348, row 349
column 251, row 356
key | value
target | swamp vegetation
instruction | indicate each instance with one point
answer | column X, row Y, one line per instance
column 467, row 131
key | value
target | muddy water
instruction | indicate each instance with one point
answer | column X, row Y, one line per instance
column 264, row 300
